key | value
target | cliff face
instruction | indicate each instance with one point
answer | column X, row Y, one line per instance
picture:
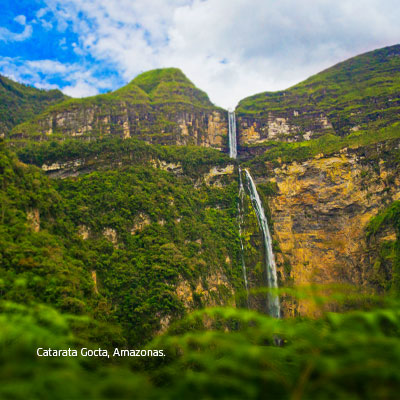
column 160, row 106
column 322, row 206
column 326, row 153
column 161, row 221
column 360, row 93
column 291, row 125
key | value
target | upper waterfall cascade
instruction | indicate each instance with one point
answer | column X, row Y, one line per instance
column 274, row 308
column 232, row 134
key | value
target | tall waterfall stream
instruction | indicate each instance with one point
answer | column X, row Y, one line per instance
column 232, row 134
column 240, row 214
column 270, row 265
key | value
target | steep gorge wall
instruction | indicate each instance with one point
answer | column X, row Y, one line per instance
column 291, row 125
column 322, row 204
column 188, row 126
column 187, row 218
column 321, row 209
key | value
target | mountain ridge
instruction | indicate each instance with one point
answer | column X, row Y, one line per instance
column 21, row 102
column 172, row 111
column 362, row 93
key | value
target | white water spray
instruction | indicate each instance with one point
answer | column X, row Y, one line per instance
column 274, row 308
column 240, row 216
column 232, row 134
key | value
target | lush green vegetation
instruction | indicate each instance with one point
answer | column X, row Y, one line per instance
column 383, row 233
column 187, row 235
column 157, row 86
column 134, row 237
column 170, row 85
column 38, row 266
column 214, row 353
column 325, row 145
column 111, row 152
column 147, row 231
column 363, row 91
column 19, row 103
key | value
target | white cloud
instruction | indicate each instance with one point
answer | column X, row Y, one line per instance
column 21, row 19
column 270, row 45
column 80, row 89
column 229, row 48
column 45, row 85
column 8, row 36
column 42, row 12
column 81, row 80
column 63, row 44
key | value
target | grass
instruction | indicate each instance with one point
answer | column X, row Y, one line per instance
column 369, row 84
column 328, row 144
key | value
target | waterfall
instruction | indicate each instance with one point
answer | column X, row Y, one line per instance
column 273, row 300
column 232, row 134
column 240, row 216
column 272, row 280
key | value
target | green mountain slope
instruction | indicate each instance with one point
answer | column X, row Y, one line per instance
column 19, row 103
column 362, row 93
column 159, row 106
column 39, row 246
column 171, row 85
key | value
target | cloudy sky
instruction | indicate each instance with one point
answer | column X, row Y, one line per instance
column 229, row 48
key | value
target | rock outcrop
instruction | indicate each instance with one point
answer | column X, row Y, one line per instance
column 321, row 209
column 160, row 106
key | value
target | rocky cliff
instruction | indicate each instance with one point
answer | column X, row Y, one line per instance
column 321, row 208
column 160, row 106
column 326, row 154
column 362, row 93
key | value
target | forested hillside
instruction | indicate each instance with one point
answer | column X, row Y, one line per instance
column 19, row 103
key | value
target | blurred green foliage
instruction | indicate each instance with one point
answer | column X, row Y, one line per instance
column 383, row 233
column 212, row 353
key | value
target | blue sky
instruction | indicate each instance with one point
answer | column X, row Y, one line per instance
column 229, row 48
column 38, row 46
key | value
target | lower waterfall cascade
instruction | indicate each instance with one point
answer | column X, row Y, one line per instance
column 240, row 222
column 274, row 308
